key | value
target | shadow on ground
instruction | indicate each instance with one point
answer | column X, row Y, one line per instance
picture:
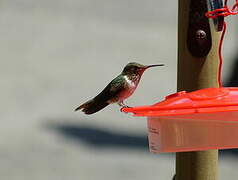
column 100, row 138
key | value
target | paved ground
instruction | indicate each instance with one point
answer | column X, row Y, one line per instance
column 57, row 54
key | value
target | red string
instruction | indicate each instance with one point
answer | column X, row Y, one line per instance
column 220, row 55
column 225, row 11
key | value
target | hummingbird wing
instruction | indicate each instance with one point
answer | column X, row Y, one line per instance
column 108, row 95
column 111, row 92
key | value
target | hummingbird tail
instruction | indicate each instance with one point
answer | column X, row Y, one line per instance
column 92, row 106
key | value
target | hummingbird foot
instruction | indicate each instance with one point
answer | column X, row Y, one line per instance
column 121, row 103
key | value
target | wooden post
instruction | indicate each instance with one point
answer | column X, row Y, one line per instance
column 195, row 73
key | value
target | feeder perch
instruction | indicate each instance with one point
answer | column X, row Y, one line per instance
column 199, row 120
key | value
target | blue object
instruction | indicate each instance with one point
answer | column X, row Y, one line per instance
column 219, row 21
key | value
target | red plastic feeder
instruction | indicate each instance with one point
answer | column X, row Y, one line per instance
column 199, row 120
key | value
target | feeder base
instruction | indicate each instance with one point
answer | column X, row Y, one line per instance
column 170, row 134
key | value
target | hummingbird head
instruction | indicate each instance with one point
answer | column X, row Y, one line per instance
column 136, row 68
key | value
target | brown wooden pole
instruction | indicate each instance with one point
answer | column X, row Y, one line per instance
column 195, row 73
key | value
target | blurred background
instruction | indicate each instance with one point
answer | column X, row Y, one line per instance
column 55, row 55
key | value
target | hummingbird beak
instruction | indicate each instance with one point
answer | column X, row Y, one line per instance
column 154, row 65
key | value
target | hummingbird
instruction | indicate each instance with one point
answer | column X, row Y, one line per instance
column 119, row 89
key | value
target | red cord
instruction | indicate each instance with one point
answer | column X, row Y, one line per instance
column 220, row 55
column 225, row 11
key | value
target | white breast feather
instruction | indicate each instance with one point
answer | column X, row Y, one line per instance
column 130, row 82
column 131, row 89
column 125, row 94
